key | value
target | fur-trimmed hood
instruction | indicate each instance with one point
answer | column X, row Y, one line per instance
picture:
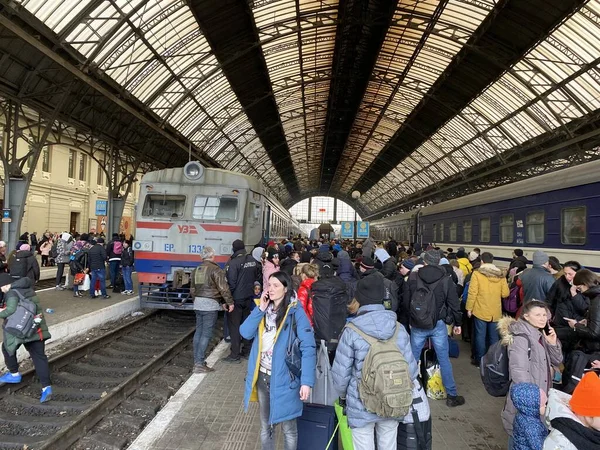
column 508, row 327
column 491, row 271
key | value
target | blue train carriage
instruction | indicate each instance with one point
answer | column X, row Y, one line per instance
column 556, row 212
column 182, row 210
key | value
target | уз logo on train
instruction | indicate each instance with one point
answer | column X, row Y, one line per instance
column 187, row 229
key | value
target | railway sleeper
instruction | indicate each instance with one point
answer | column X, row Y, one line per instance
column 69, row 380
column 101, row 441
column 88, row 370
column 113, row 361
column 139, row 408
column 66, row 394
column 27, row 406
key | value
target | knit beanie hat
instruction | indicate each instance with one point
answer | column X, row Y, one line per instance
column 409, row 264
column 586, row 397
column 461, row 254
column 540, row 258
column 444, row 262
column 367, row 263
column 432, row 257
column 238, row 245
column 370, row 290
column 25, row 247
column 473, row 255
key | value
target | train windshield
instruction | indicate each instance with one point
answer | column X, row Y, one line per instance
column 161, row 205
column 215, row 208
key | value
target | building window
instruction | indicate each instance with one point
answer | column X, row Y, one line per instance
column 507, row 229
column 484, row 229
column 99, row 175
column 573, row 225
column 46, row 159
column 72, row 157
column 535, row 227
column 82, row 164
column 452, row 231
column 467, row 230
column 442, row 232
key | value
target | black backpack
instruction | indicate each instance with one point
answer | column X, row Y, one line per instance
column 21, row 323
column 330, row 309
column 423, row 306
column 575, row 367
column 54, row 250
column 494, row 368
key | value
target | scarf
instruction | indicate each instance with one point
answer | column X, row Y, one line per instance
column 580, row 436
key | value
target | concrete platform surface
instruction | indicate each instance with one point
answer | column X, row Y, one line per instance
column 212, row 417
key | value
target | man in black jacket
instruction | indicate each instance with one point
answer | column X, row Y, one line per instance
column 242, row 270
column 97, row 262
column 433, row 279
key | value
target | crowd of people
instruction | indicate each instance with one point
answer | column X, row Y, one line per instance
column 415, row 296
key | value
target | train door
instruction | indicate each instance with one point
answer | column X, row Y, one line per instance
column 253, row 232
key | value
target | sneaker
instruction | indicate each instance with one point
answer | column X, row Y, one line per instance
column 10, row 378
column 93, row 296
column 475, row 363
column 202, row 368
column 227, row 339
column 46, row 394
column 106, row 296
column 231, row 359
column 455, row 400
column 60, row 288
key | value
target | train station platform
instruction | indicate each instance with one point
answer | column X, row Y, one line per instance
column 207, row 413
column 72, row 316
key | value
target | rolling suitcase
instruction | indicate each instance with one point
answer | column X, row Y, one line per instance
column 414, row 436
column 427, row 360
column 317, row 428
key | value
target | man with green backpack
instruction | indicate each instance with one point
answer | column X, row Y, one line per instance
column 374, row 370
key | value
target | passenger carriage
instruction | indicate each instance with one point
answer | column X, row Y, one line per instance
column 557, row 212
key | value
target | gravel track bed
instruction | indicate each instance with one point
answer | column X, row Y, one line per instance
column 24, row 422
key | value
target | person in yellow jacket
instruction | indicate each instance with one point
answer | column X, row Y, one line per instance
column 463, row 262
column 484, row 303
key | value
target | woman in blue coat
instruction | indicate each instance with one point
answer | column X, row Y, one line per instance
column 269, row 381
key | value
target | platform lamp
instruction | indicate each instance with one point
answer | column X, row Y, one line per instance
column 355, row 196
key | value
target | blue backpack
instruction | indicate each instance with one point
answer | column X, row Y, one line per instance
column 465, row 294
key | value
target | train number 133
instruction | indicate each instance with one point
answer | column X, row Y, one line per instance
column 193, row 248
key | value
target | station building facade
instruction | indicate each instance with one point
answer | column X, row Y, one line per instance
column 64, row 191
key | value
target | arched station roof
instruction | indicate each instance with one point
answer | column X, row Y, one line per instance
column 406, row 101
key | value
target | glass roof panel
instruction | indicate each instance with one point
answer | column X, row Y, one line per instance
column 527, row 101
column 410, row 72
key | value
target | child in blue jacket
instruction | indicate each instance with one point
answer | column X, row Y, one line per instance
column 529, row 432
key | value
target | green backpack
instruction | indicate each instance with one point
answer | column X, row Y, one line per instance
column 385, row 387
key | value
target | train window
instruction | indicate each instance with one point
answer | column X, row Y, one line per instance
column 573, row 225
column 452, row 231
column 507, row 229
column 215, row 208
column 435, row 239
column 442, row 232
column 467, row 230
column 535, row 227
column 484, row 229
column 161, row 205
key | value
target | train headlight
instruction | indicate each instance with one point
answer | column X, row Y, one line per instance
column 193, row 170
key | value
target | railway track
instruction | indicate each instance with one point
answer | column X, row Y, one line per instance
column 111, row 385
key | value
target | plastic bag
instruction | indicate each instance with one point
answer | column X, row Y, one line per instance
column 435, row 387
column 323, row 392
column 85, row 286
column 344, row 430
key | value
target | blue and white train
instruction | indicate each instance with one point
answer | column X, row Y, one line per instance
column 182, row 210
column 557, row 212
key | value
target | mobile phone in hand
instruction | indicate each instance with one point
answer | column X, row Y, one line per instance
column 547, row 328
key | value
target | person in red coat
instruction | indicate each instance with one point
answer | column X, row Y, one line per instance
column 308, row 274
